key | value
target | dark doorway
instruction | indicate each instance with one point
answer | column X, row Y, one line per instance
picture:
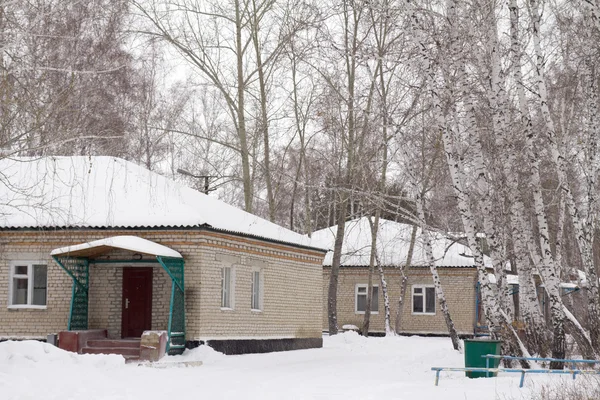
column 137, row 302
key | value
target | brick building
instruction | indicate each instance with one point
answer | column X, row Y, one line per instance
column 420, row 313
column 100, row 243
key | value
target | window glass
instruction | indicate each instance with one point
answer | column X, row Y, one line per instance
column 19, row 291
column 226, row 287
column 361, row 299
column 417, row 302
column 29, row 284
column 255, row 290
column 430, row 300
column 20, row 269
column 40, row 280
column 375, row 300
column 361, row 302
column 423, row 300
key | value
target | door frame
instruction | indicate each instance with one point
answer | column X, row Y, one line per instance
column 147, row 296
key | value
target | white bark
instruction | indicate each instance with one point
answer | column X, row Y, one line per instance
column 386, row 299
column 494, row 93
column 491, row 309
column 583, row 237
column 593, row 7
column 404, row 279
column 522, row 236
column 439, row 291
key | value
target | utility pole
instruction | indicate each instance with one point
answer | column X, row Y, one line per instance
column 205, row 177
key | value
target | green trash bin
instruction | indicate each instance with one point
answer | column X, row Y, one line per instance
column 474, row 349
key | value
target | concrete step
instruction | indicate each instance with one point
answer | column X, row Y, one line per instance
column 124, row 351
column 123, row 343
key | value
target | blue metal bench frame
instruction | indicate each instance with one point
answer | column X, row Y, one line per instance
column 573, row 362
column 522, row 371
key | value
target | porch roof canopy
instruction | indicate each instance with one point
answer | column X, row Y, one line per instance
column 131, row 243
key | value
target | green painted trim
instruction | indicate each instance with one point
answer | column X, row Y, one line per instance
column 69, row 272
column 173, row 279
column 79, row 289
column 71, row 306
column 170, row 330
column 124, row 262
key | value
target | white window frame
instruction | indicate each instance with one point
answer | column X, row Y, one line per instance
column 424, row 295
column 29, row 278
column 364, row 285
column 231, row 305
column 260, row 290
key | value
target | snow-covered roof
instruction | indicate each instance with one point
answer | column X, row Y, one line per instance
column 108, row 192
column 510, row 279
column 393, row 241
column 514, row 280
column 131, row 243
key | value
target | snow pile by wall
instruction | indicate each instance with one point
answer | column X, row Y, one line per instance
column 345, row 340
column 31, row 352
column 206, row 354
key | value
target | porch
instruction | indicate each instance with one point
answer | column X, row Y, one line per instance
column 124, row 286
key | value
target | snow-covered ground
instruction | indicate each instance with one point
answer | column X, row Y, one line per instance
column 347, row 367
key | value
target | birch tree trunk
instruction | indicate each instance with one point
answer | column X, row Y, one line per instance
column 529, row 306
column 404, row 279
column 352, row 16
column 386, row 298
column 593, row 7
column 257, row 16
column 583, row 237
column 335, row 266
column 494, row 315
column 241, row 113
column 439, row 291
column 474, row 133
column 374, row 225
column 590, row 224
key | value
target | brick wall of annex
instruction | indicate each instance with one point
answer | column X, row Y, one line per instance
column 292, row 278
column 458, row 285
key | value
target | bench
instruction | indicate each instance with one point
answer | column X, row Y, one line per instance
column 573, row 371
column 522, row 371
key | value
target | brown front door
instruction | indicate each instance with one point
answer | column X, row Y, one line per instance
column 137, row 301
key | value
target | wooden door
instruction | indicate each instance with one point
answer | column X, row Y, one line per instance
column 137, row 302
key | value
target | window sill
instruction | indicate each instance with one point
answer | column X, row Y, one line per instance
column 226, row 309
column 422, row 313
column 362, row 312
column 26, row 307
column 254, row 310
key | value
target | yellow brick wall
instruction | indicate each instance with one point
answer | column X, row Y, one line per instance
column 458, row 285
column 292, row 279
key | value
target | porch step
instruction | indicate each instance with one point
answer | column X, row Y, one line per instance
column 128, row 348
column 129, row 343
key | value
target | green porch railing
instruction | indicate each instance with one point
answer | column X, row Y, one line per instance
column 176, row 328
column 78, row 270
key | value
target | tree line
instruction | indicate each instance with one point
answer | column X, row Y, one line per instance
column 478, row 117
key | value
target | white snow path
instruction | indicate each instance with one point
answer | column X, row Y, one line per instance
column 348, row 367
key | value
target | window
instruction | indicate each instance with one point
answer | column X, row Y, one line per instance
column 28, row 284
column 226, row 287
column 256, row 291
column 360, row 299
column 423, row 299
